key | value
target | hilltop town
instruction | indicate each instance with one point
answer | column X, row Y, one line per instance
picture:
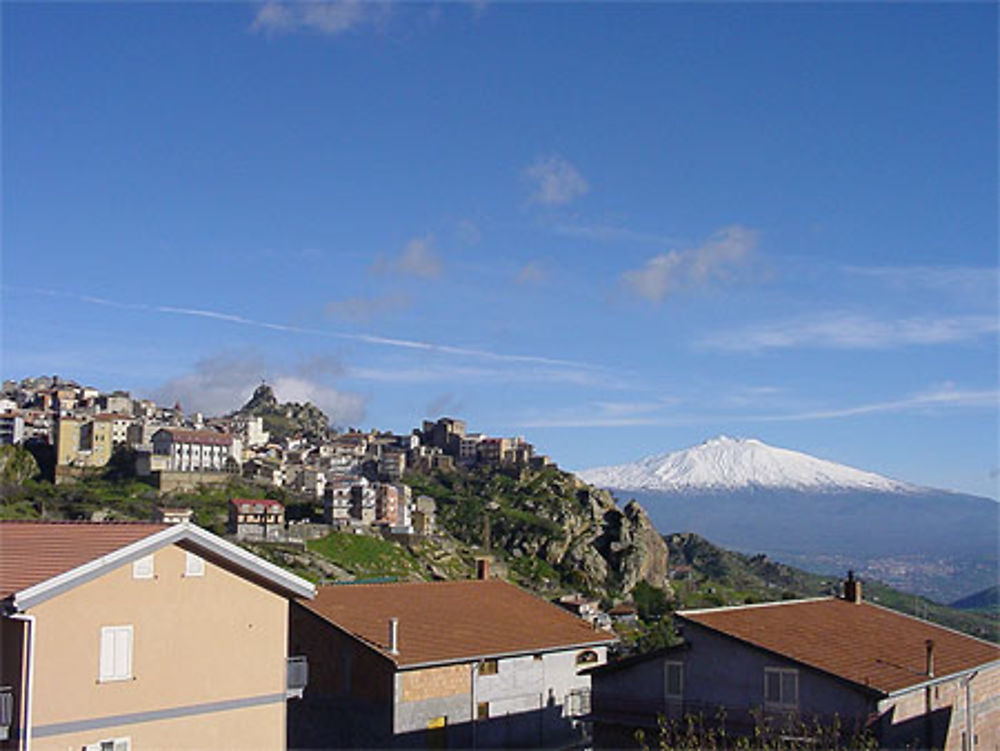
column 73, row 430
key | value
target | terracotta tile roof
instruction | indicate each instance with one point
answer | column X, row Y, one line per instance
column 864, row 643
column 207, row 437
column 32, row 552
column 454, row 620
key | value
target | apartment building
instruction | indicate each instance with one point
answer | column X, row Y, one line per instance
column 127, row 635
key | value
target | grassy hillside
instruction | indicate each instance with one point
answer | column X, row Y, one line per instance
column 709, row 576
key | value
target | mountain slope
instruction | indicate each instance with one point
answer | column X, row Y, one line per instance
column 725, row 463
column 818, row 515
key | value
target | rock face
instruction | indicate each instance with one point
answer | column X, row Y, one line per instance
column 286, row 420
column 551, row 524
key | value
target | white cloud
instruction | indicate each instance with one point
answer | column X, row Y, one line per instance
column 341, row 407
column 223, row 383
column 217, row 385
column 326, row 17
column 854, row 331
column 531, row 273
column 555, row 181
column 669, row 272
column 417, row 259
column 372, row 339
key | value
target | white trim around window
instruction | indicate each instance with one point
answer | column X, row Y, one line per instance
column 194, row 564
column 110, row 744
column 143, row 568
column 115, row 661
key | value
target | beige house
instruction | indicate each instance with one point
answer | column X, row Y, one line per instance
column 145, row 636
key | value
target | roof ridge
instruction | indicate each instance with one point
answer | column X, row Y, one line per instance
column 751, row 605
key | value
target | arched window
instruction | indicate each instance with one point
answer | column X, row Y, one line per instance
column 586, row 657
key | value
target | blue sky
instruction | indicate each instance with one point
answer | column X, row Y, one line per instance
column 616, row 229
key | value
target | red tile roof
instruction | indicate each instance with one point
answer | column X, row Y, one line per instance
column 32, row 552
column 861, row 642
column 205, row 437
column 449, row 621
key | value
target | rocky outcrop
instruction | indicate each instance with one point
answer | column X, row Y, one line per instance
column 579, row 532
column 290, row 419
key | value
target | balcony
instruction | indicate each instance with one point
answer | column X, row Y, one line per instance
column 296, row 677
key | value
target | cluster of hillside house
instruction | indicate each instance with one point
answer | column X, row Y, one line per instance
column 357, row 475
column 120, row 636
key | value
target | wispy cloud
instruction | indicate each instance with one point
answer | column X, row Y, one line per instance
column 417, row 259
column 330, row 17
column 959, row 279
column 930, row 402
column 675, row 270
column 365, row 309
column 531, row 273
column 222, row 383
column 610, row 234
column 555, row 181
column 372, row 339
column 844, row 330
column 942, row 398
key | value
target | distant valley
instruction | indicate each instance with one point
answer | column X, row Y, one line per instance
column 817, row 515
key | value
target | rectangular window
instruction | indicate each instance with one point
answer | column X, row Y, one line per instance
column 781, row 687
column 673, row 676
column 194, row 565
column 489, row 667
column 116, row 653
column 142, row 568
column 113, row 744
column 483, row 710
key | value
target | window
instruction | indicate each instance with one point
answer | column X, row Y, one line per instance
column 489, row 667
column 116, row 653
column 587, row 657
column 673, row 680
column 114, row 744
column 781, row 687
column 483, row 710
column 194, row 565
column 143, row 567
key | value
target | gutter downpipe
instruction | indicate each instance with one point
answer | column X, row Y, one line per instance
column 473, row 716
column 970, row 730
column 29, row 690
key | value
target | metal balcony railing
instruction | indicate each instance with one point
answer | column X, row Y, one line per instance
column 296, row 677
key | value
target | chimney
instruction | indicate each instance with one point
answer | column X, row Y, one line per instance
column 852, row 588
column 394, row 636
column 930, row 657
column 482, row 569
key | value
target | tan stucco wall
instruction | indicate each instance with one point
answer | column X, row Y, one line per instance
column 985, row 693
column 434, row 683
column 196, row 640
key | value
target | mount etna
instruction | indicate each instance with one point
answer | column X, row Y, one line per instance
column 817, row 514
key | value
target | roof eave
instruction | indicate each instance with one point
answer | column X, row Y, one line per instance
column 872, row 691
column 182, row 532
column 504, row 655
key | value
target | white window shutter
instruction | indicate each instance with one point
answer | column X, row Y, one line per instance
column 107, row 653
column 123, row 652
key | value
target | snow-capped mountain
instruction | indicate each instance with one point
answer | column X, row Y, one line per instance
column 725, row 464
column 817, row 514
